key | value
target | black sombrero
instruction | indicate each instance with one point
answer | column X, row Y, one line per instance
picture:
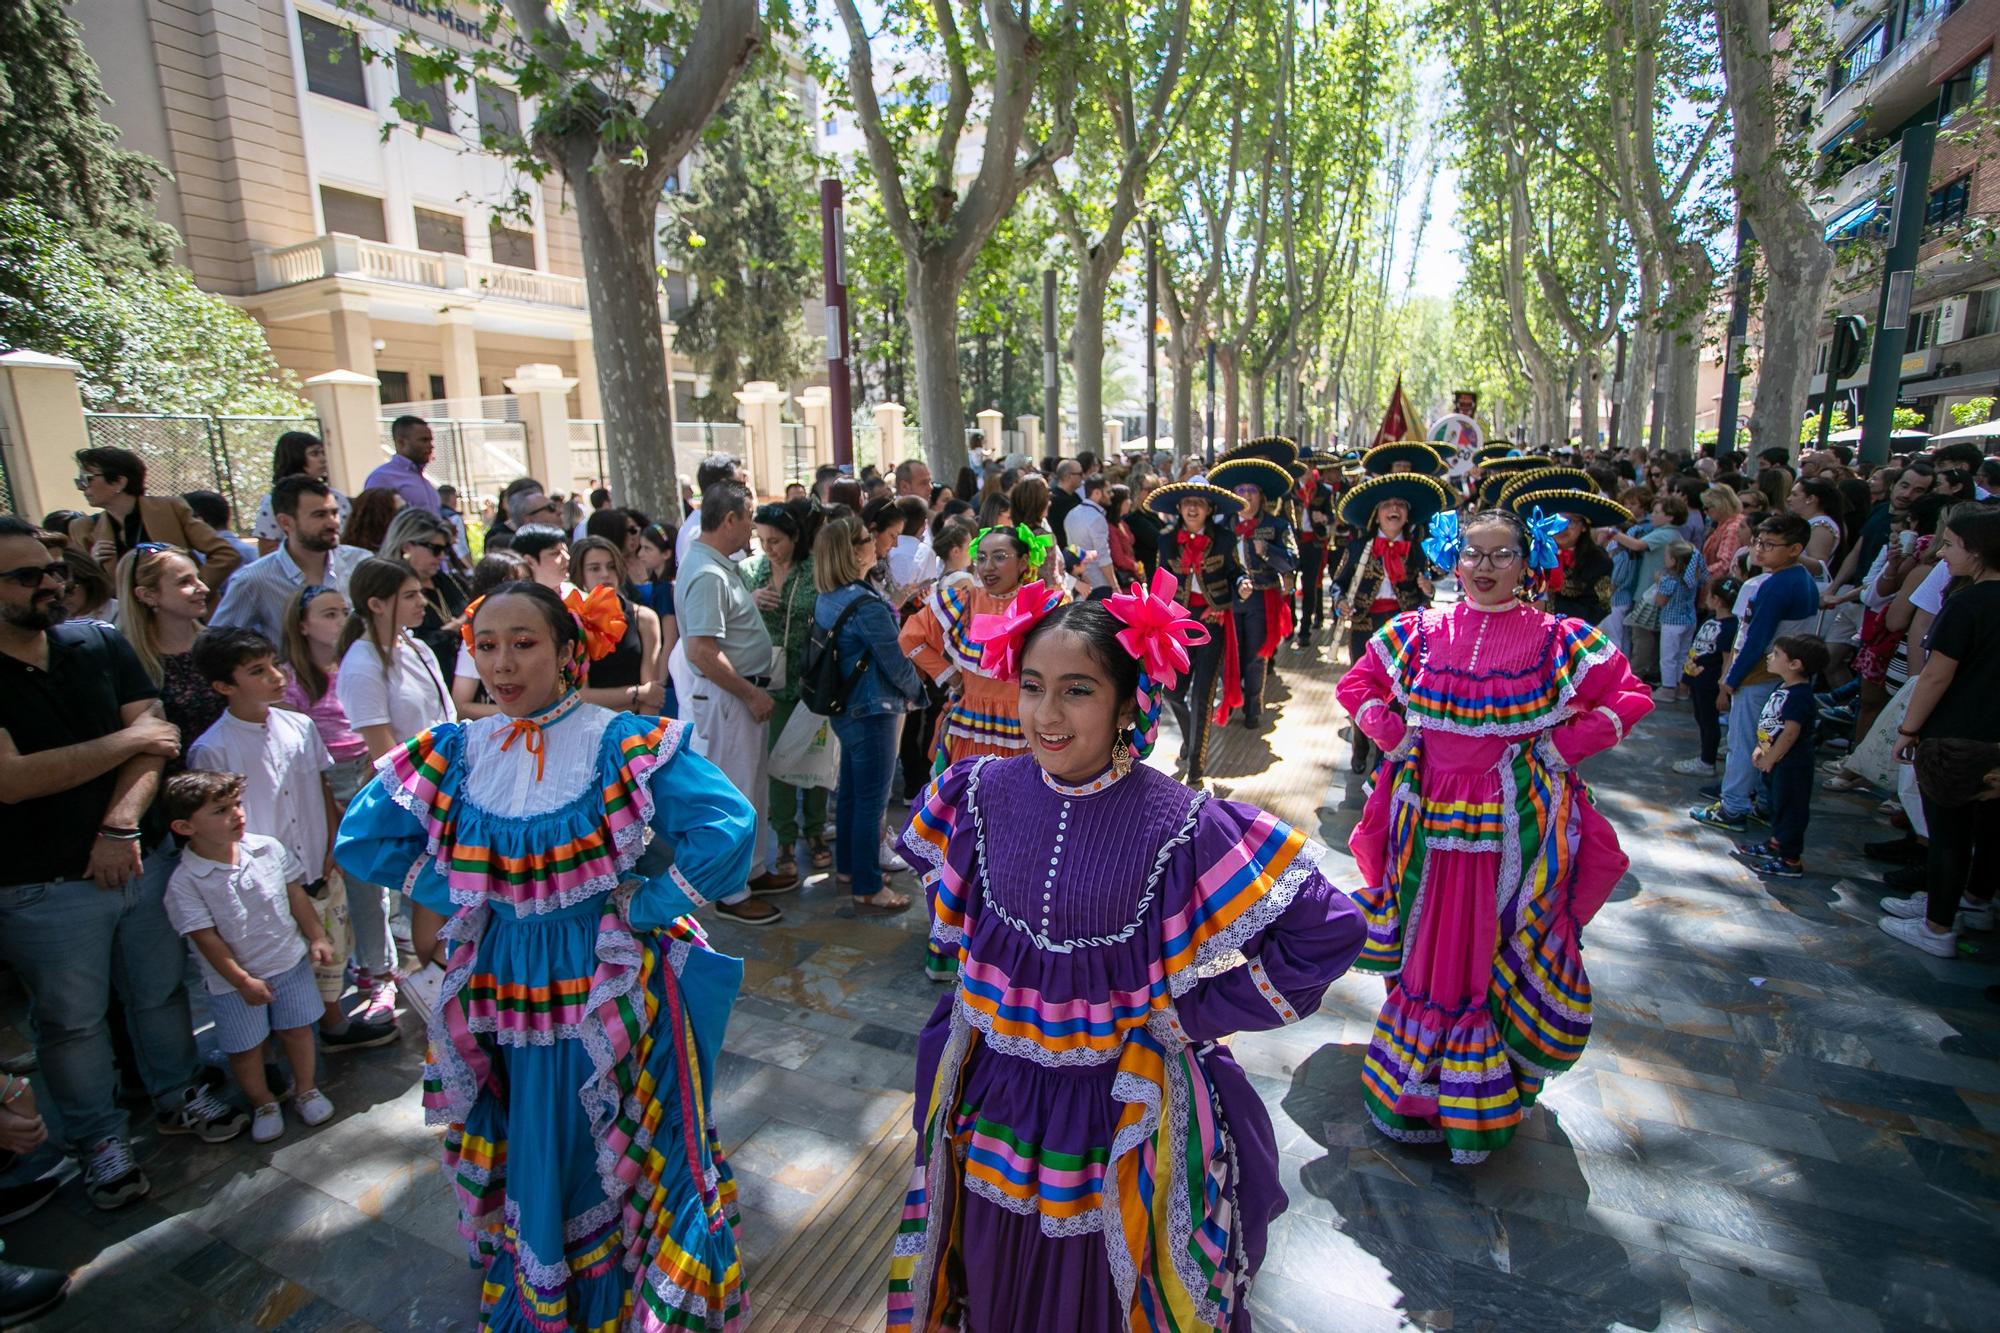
column 1418, row 454
column 1486, row 454
column 1166, row 499
column 1543, row 479
column 1595, row 510
column 1262, row 473
column 1326, row 460
column 1271, row 448
column 1426, row 497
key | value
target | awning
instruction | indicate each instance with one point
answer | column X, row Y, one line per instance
column 1966, row 383
column 1985, row 430
column 1847, row 223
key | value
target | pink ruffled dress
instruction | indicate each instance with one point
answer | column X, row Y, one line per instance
column 1481, row 857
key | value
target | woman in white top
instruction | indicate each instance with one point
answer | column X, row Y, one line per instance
column 1818, row 502
column 297, row 452
column 389, row 684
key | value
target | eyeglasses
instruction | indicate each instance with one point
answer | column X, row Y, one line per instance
column 31, row 576
column 1474, row 558
column 548, row 508
column 438, row 549
column 632, row 531
column 1767, row 544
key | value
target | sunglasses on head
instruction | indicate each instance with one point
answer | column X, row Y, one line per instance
column 31, row 576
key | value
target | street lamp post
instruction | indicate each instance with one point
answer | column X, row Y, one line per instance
column 840, row 386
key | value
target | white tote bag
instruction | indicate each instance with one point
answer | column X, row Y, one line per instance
column 806, row 753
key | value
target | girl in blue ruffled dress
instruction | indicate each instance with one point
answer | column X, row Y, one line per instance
column 575, row 1036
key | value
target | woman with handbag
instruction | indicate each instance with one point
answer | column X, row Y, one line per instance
column 878, row 686
column 781, row 583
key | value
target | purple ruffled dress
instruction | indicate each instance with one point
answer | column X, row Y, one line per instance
column 1090, row 1156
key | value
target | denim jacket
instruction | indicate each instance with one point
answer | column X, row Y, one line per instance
column 890, row 683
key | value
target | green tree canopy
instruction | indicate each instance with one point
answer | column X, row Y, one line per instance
column 152, row 342
column 59, row 153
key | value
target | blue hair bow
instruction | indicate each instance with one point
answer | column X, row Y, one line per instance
column 1542, row 530
column 1443, row 543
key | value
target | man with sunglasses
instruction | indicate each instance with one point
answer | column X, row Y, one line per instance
column 308, row 514
column 114, row 480
column 82, row 742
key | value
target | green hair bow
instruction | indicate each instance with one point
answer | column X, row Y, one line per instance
column 1038, row 545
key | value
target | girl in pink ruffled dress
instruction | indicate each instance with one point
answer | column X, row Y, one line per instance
column 1480, row 852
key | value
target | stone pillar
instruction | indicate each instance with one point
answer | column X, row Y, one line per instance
column 544, row 393
column 460, row 352
column 889, row 435
column 993, row 427
column 350, row 418
column 757, row 404
column 41, row 429
column 816, row 406
column 1031, row 436
column 353, row 335
column 589, row 402
column 1114, row 435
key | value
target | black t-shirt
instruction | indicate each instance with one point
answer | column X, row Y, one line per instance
column 1967, row 631
column 1790, row 703
column 92, row 674
column 1060, row 503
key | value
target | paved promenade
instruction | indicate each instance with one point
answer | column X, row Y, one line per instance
column 1785, row 1120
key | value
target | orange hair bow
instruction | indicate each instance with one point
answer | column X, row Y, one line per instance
column 602, row 617
column 465, row 620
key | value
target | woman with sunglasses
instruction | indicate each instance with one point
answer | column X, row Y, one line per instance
column 422, row 541
column 1480, row 853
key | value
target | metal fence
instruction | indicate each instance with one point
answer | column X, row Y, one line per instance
column 479, row 457
column 867, row 444
column 230, row 455
column 6, row 487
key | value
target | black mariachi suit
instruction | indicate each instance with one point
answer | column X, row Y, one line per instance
column 1586, row 586
column 1361, row 573
column 1316, row 525
column 1270, row 571
column 1192, row 699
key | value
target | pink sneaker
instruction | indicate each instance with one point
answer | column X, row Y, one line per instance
column 380, row 1004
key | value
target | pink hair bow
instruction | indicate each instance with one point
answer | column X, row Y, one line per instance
column 1000, row 636
column 1159, row 631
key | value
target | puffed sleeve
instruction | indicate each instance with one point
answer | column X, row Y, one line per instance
column 1255, row 932
column 703, row 830
column 392, row 829
column 1367, row 690
column 1605, row 699
column 942, row 845
column 922, row 641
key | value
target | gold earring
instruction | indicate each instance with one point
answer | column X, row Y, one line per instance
column 1121, row 756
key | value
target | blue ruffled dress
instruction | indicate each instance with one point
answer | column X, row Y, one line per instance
column 574, row 1041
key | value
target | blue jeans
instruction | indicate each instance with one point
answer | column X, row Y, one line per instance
column 1741, row 782
column 70, row 941
column 867, row 764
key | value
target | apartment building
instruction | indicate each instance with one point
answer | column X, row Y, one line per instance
column 390, row 254
column 1901, row 63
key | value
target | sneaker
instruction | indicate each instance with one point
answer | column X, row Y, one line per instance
column 17, row 1201
column 1759, row 814
column 1911, row 908
column 1907, row 879
column 421, row 991
column 1975, row 915
column 204, row 1115
column 1902, row 851
column 111, row 1179
column 1777, row 867
column 1757, row 849
column 267, row 1122
column 1711, row 791
column 314, row 1108
column 1715, row 817
column 751, row 912
column 360, row 1033
column 889, row 859
column 1918, row 935
column 1696, row 767
column 378, row 1004
column 29, row 1293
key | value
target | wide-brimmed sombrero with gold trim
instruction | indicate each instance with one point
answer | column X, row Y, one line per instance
column 1426, row 497
column 1544, row 479
column 1262, row 473
column 1595, row 510
column 1487, row 453
column 1271, row 448
column 1167, row 499
column 1417, row 453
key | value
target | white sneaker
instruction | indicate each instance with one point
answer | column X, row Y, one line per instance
column 1696, row 768
column 267, row 1122
column 1911, row 908
column 1917, row 934
column 1975, row 915
column 888, row 858
column 314, row 1108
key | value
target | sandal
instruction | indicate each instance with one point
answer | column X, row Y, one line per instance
column 787, row 866
column 868, row 907
column 821, row 852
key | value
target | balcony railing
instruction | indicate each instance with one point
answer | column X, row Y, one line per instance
column 1864, row 180
column 341, row 255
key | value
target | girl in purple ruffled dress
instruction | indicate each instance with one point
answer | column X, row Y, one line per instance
column 1091, row 1158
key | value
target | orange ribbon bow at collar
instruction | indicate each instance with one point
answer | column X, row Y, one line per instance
column 602, row 617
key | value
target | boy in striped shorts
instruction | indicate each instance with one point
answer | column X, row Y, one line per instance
column 240, row 899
